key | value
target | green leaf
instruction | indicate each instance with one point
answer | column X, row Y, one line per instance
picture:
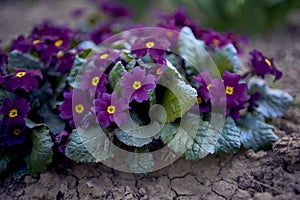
column 179, row 96
column 6, row 161
column 116, row 74
column 86, row 53
column 227, row 59
column 77, row 69
column 255, row 133
column 51, row 119
column 23, row 61
column 273, row 102
column 89, row 145
column 192, row 50
column 194, row 139
column 41, row 154
column 229, row 140
column 140, row 163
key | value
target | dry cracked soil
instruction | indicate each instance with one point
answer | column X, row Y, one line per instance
column 263, row 175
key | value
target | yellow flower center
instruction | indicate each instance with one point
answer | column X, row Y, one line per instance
column 95, row 81
column 137, row 85
column 111, row 109
column 268, row 62
column 150, row 44
column 60, row 54
column 208, row 86
column 20, row 74
column 79, row 108
column 169, row 34
column 199, row 100
column 103, row 56
column 216, row 42
column 229, row 90
column 58, row 43
column 13, row 113
column 158, row 72
column 36, row 41
column 16, row 131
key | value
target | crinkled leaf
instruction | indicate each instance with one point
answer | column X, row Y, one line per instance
column 51, row 119
column 227, row 59
column 41, row 153
column 131, row 65
column 192, row 49
column 89, row 145
column 229, row 140
column 6, row 161
column 194, row 139
column 116, row 74
column 23, row 61
column 273, row 102
column 179, row 96
column 76, row 70
column 140, row 163
column 255, row 133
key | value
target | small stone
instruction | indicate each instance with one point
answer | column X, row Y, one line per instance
column 142, row 191
column 241, row 195
column 90, row 184
column 262, row 196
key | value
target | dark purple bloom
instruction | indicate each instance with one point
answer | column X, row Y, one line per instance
column 21, row 44
column 263, row 65
column 62, row 141
column 111, row 109
column 215, row 39
column 94, row 80
column 75, row 107
column 156, row 47
column 15, row 112
column 14, row 134
column 209, row 88
column 253, row 100
column 103, row 31
column 25, row 79
column 238, row 41
column 115, row 9
column 64, row 61
column 236, row 93
column 137, row 84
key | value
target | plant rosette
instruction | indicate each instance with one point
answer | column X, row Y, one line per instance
column 136, row 101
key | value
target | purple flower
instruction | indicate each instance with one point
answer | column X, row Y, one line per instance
column 238, row 41
column 94, row 80
column 116, row 9
column 236, row 93
column 102, row 59
column 14, row 134
column 62, row 141
column 103, row 31
column 156, row 47
column 111, row 109
column 64, row 61
column 253, row 100
column 136, row 85
column 215, row 39
column 263, row 65
column 14, row 112
column 209, row 88
column 25, row 79
column 21, row 44
column 75, row 107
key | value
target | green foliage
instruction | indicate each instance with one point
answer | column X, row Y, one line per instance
column 273, row 102
column 23, row 61
column 255, row 133
column 179, row 96
column 41, row 154
column 116, row 73
column 229, row 140
column 89, row 145
column 6, row 163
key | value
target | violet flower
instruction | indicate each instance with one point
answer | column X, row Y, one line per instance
column 253, row 100
column 104, row 58
column 62, row 141
column 137, row 84
column 25, row 79
column 214, row 39
column 156, row 47
column 263, row 65
column 116, row 9
column 75, row 107
column 14, row 134
column 64, row 61
column 110, row 109
column 15, row 112
column 236, row 93
column 94, row 80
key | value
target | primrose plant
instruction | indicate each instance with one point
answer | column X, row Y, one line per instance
column 136, row 99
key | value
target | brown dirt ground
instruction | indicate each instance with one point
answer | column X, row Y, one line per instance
column 263, row 175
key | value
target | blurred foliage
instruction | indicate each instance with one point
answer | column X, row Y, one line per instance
column 242, row 16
